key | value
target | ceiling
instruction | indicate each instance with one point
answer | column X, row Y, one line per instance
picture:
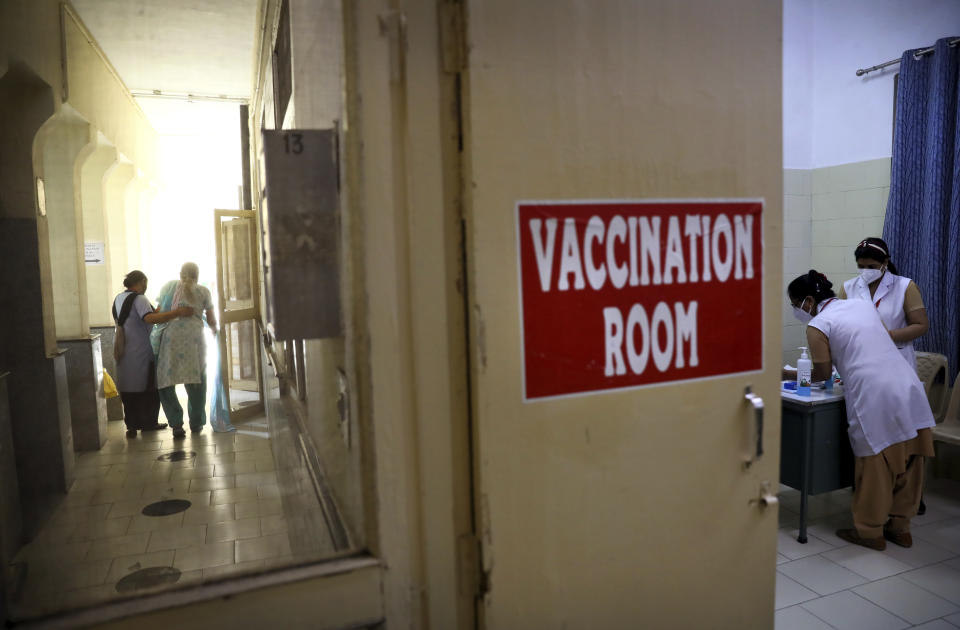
column 201, row 47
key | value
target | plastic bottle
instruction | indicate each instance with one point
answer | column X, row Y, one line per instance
column 804, row 369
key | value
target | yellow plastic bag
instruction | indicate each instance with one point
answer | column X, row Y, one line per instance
column 109, row 387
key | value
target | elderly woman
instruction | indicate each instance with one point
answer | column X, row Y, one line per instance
column 181, row 350
column 135, row 367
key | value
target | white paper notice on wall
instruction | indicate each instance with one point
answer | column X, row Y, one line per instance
column 93, row 253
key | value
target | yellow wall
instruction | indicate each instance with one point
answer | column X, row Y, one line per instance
column 32, row 38
column 30, row 34
column 62, row 144
column 96, row 91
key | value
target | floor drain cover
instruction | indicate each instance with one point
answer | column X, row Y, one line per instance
column 148, row 578
column 166, row 508
column 176, row 456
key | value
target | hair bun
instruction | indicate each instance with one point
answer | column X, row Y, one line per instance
column 825, row 283
column 818, row 281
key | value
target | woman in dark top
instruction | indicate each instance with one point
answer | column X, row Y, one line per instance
column 136, row 374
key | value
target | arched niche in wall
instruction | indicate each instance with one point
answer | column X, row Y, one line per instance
column 92, row 168
column 115, row 185
column 145, row 193
column 61, row 141
column 133, row 220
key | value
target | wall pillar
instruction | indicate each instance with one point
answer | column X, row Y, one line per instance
column 92, row 174
column 38, row 397
column 64, row 139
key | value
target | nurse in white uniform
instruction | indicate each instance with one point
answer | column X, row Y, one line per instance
column 888, row 417
column 896, row 298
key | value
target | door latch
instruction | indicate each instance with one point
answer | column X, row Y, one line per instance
column 766, row 497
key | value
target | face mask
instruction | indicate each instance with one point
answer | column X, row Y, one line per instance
column 871, row 275
column 801, row 314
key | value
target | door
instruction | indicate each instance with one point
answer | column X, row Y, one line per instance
column 237, row 292
column 631, row 505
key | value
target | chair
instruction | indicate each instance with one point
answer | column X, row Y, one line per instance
column 949, row 430
column 932, row 371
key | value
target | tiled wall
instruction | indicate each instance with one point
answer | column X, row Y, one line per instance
column 827, row 211
column 797, row 246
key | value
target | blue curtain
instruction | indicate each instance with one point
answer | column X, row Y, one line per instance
column 922, row 225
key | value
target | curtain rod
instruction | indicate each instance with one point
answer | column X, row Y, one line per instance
column 916, row 55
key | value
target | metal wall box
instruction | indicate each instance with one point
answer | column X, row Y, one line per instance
column 300, row 222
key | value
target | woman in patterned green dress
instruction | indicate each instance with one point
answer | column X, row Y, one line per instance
column 181, row 357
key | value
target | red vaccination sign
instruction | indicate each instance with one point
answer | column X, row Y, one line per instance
column 620, row 294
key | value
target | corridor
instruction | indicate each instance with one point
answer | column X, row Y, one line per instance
column 230, row 519
column 153, row 513
column 493, row 296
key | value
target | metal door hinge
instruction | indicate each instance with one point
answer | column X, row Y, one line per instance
column 473, row 580
column 452, row 40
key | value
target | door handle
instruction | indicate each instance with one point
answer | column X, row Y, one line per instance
column 757, row 403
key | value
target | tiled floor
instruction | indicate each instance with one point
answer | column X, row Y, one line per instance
column 829, row 583
column 99, row 535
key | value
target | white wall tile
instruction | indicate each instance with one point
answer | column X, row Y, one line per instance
column 876, row 172
column 827, row 205
column 797, row 208
column 845, row 232
column 825, row 259
column 866, row 202
column 796, row 260
column 796, row 181
column 873, row 226
column 820, row 232
column 796, row 234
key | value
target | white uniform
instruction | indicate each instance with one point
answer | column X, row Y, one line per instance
column 885, row 400
column 888, row 301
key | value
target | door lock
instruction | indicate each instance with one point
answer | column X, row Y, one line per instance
column 766, row 498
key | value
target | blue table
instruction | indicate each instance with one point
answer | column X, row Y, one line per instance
column 815, row 453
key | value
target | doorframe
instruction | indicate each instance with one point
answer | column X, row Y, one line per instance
column 405, row 191
column 406, row 324
column 251, row 314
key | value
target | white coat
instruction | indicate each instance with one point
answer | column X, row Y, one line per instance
column 885, row 400
column 888, row 301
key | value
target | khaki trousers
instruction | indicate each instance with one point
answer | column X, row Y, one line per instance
column 888, row 486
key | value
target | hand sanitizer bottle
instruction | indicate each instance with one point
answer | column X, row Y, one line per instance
column 804, row 369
